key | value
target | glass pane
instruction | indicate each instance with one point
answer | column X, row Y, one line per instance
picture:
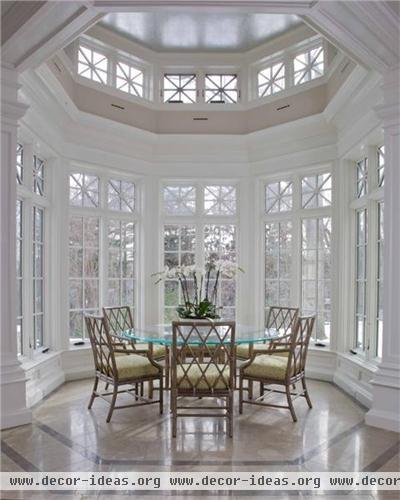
column 220, row 200
column 179, row 200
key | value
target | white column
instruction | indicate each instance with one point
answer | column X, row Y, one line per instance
column 385, row 411
column 13, row 402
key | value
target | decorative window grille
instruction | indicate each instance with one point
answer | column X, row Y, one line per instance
column 308, row 65
column 121, row 195
column 92, row 65
column 179, row 200
column 38, row 176
column 316, row 191
column 20, row 163
column 381, row 166
column 129, row 79
column 279, row 197
column 20, row 275
column 361, row 277
column 83, row 190
column 220, row 200
column 221, row 89
column 316, row 273
column 180, row 88
column 379, row 286
column 38, row 277
column 362, row 177
column 271, row 80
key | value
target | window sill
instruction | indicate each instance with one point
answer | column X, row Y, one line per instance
column 38, row 359
column 72, row 347
column 359, row 361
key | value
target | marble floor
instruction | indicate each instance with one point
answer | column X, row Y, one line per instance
column 65, row 436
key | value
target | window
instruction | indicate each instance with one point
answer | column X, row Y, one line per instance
column 220, row 200
column 38, row 277
column 381, row 166
column 278, row 263
column 308, row 65
column 83, row 271
column 92, row 65
column 180, row 88
column 179, row 200
column 20, row 163
column 279, row 196
column 129, row 79
column 316, row 273
column 20, row 275
column 38, row 176
column 121, row 195
column 316, row 191
column 362, row 178
column 361, row 277
column 271, row 80
column 221, row 88
column 379, row 286
column 83, row 190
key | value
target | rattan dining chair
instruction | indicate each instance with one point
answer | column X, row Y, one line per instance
column 211, row 376
column 118, row 365
column 120, row 319
column 284, row 365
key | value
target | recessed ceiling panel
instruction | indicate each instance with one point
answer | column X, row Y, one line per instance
column 199, row 32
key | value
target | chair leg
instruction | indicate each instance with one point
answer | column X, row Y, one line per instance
column 151, row 389
column 290, row 404
column 174, row 412
column 240, row 395
column 261, row 389
column 167, row 369
column 141, row 389
column 96, row 383
column 230, row 415
column 114, row 398
column 161, row 395
column 250, row 389
column 306, row 395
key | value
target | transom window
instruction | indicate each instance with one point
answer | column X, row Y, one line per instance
column 308, row 65
column 121, row 195
column 38, row 176
column 220, row 200
column 362, row 177
column 221, row 88
column 129, row 79
column 179, row 200
column 180, row 88
column 279, row 196
column 381, row 166
column 92, row 65
column 271, row 79
column 20, row 163
column 83, row 190
column 316, row 191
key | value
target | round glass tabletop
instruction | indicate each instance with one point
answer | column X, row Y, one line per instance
column 162, row 334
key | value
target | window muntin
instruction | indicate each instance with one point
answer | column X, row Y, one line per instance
column 316, row 191
column 84, row 252
column 38, row 176
column 271, row 80
column 83, row 190
column 121, row 263
column 220, row 200
column 316, row 273
column 278, row 263
column 92, row 65
column 379, row 284
column 179, row 200
column 180, row 88
column 279, row 197
column 221, row 89
column 20, row 274
column 308, row 65
column 362, row 177
column 361, row 277
column 121, row 195
column 129, row 79
column 38, row 277
column 381, row 166
column 20, row 164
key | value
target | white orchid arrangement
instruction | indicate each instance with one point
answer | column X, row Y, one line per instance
column 205, row 286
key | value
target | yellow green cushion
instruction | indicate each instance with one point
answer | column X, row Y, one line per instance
column 134, row 366
column 212, row 377
column 267, row 366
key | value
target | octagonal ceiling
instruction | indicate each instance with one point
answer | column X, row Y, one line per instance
column 199, row 31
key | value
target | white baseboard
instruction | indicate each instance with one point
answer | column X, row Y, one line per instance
column 383, row 420
column 16, row 419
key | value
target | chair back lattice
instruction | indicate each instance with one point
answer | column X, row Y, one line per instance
column 119, row 319
column 212, row 372
column 102, row 345
column 282, row 319
column 299, row 345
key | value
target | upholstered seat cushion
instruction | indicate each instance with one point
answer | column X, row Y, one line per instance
column 243, row 350
column 134, row 366
column 267, row 366
column 194, row 378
